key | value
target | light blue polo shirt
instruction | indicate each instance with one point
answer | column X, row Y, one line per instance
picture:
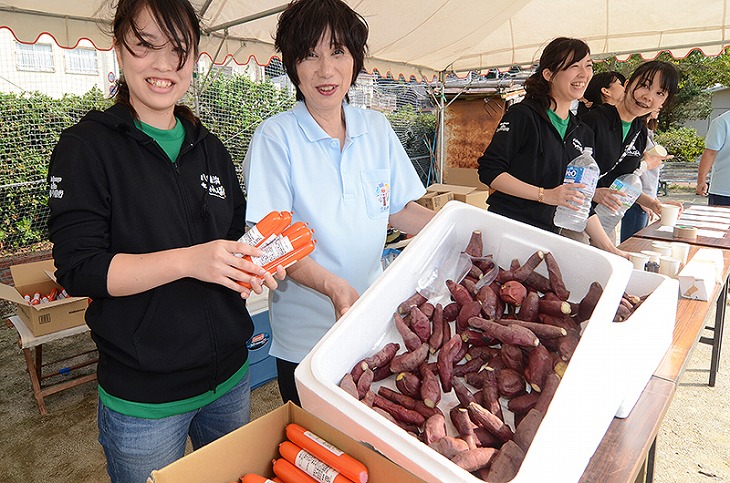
column 717, row 140
column 345, row 196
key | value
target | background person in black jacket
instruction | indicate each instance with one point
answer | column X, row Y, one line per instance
column 621, row 134
column 604, row 88
column 526, row 159
column 145, row 210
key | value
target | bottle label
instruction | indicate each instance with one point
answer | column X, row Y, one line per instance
column 629, row 191
column 579, row 174
column 333, row 449
column 275, row 249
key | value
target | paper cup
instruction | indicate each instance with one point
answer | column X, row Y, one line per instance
column 669, row 215
column 669, row 266
column 639, row 260
column 662, row 247
column 680, row 251
column 653, row 256
column 657, row 150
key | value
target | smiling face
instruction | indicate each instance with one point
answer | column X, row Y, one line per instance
column 153, row 73
column 325, row 75
column 570, row 83
column 644, row 97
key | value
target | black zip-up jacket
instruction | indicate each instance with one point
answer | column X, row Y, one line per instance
column 114, row 190
column 527, row 146
column 605, row 122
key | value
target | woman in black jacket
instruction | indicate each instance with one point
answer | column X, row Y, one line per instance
column 146, row 209
column 526, row 159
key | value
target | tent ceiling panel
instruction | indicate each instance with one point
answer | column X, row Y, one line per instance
column 419, row 37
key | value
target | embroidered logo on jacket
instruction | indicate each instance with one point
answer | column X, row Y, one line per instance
column 577, row 145
column 54, row 191
column 382, row 193
column 633, row 152
column 212, row 183
column 503, row 126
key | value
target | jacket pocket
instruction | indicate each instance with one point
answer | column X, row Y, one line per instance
column 376, row 186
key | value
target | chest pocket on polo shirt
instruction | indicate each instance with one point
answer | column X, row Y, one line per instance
column 376, row 186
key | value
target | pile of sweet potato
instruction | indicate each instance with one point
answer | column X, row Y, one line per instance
column 508, row 340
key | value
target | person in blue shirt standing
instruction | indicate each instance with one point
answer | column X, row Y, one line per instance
column 339, row 168
column 716, row 157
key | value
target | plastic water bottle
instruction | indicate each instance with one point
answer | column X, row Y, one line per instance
column 628, row 184
column 583, row 169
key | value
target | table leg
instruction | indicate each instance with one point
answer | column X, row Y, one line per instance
column 35, row 381
column 650, row 462
column 39, row 361
column 717, row 333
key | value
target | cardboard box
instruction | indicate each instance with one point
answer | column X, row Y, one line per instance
column 700, row 274
column 647, row 335
column 464, row 177
column 251, row 449
column 583, row 406
column 465, row 194
column 48, row 317
column 435, row 200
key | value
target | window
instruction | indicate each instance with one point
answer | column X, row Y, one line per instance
column 81, row 61
column 34, row 57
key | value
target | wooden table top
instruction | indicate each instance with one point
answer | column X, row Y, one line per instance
column 691, row 317
column 621, row 454
column 712, row 223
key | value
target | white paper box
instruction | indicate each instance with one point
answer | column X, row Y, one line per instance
column 699, row 276
column 585, row 402
column 647, row 335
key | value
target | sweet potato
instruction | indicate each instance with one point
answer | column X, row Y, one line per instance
column 475, row 379
column 460, row 370
column 413, row 301
column 408, row 383
column 476, row 244
column 484, row 419
column 512, row 357
column 474, row 459
column 622, row 313
column 363, row 384
column 382, row 372
column 449, row 446
column 420, row 324
column 451, row 311
column 488, row 298
column 463, row 394
column 464, row 426
column 409, row 428
column 510, row 383
column 568, row 344
column 460, row 295
column 427, row 309
column 434, row 429
column 470, row 309
column 482, row 352
column 445, row 361
column 399, row 412
column 475, row 272
column 475, row 338
column 383, row 356
column 528, row 267
column 548, row 391
column 556, row 278
column 430, row 388
column 539, row 366
column 522, row 404
column 437, row 333
column 506, row 464
column 530, row 307
column 589, row 301
column 470, row 285
column 409, row 361
column 348, row 384
column 368, row 398
column 410, row 338
column 566, row 323
column 525, row 431
column 512, row 334
column 490, row 394
column 407, row 402
column 512, row 292
column 485, row 439
column 557, row 308
column 542, row 331
column 537, row 282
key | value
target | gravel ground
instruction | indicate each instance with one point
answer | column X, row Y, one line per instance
column 693, row 444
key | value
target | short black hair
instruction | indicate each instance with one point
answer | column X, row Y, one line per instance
column 644, row 74
column 302, row 25
column 599, row 81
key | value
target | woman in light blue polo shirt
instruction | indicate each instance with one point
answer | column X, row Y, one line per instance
column 340, row 168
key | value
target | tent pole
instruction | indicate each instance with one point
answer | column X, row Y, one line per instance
column 440, row 138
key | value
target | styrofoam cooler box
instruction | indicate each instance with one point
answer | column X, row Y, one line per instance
column 261, row 365
column 586, row 400
column 647, row 335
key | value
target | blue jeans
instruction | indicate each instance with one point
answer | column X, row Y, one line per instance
column 634, row 220
column 718, row 200
column 136, row 446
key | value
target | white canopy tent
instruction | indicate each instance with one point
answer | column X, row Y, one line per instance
column 420, row 37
